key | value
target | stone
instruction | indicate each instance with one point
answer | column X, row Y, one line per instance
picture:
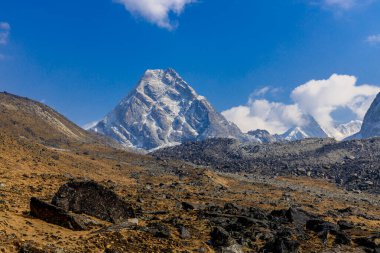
column 236, row 248
column 282, row 245
column 184, row 233
column 188, row 206
column 342, row 238
column 30, row 247
column 368, row 242
column 93, row 199
column 159, row 230
column 55, row 215
column 345, row 225
column 292, row 215
column 320, row 226
column 220, row 237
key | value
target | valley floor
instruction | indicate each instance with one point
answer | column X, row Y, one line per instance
column 160, row 188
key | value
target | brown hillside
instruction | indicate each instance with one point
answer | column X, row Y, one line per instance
column 25, row 118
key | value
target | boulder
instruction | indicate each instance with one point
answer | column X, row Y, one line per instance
column 371, row 242
column 159, row 230
column 220, row 237
column 342, row 238
column 236, row 248
column 318, row 226
column 292, row 215
column 184, row 233
column 55, row 215
column 282, row 244
column 93, row 199
column 30, row 247
column 345, row 225
column 188, row 206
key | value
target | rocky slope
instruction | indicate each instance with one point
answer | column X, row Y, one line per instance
column 371, row 122
column 24, row 118
column 354, row 164
column 164, row 110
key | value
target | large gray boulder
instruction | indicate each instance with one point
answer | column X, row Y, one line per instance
column 91, row 198
column 55, row 215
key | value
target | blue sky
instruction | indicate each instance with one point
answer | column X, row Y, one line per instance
column 82, row 57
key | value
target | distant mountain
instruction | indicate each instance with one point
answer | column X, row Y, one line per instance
column 164, row 110
column 371, row 123
column 309, row 130
column 348, row 129
column 262, row 135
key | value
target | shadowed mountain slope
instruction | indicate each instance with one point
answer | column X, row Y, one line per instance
column 24, row 118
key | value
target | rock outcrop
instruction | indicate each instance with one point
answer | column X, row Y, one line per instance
column 93, row 199
column 55, row 215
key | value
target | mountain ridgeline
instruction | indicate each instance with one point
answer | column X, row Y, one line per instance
column 27, row 119
column 371, row 122
column 163, row 110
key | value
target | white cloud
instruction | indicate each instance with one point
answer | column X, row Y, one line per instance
column 264, row 91
column 318, row 98
column 156, row 11
column 4, row 32
column 373, row 39
column 263, row 114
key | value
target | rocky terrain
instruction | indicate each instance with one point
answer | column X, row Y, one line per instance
column 85, row 196
column 351, row 164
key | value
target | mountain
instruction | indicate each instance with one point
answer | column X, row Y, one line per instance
column 163, row 110
column 21, row 117
column 309, row 130
column 293, row 134
column 348, row 129
column 262, row 135
column 371, row 123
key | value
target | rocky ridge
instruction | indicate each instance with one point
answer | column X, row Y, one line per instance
column 371, row 123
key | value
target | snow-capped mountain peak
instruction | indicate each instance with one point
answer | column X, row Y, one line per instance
column 347, row 129
column 164, row 110
column 311, row 129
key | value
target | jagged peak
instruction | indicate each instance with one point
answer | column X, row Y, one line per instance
column 164, row 110
column 160, row 74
